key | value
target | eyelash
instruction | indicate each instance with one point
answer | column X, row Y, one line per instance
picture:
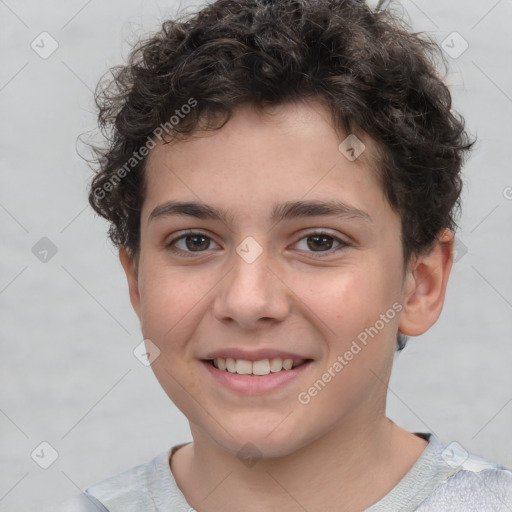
column 315, row 254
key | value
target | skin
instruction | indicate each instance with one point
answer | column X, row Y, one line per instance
column 323, row 455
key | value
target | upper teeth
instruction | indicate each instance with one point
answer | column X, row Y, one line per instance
column 261, row 367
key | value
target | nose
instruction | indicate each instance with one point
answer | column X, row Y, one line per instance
column 252, row 294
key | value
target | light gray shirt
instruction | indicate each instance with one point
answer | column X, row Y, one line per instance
column 445, row 478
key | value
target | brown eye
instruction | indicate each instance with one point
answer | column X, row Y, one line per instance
column 324, row 244
column 189, row 243
column 196, row 242
column 320, row 242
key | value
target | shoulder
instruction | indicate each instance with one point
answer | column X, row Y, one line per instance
column 136, row 489
column 478, row 484
column 81, row 503
column 130, row 489
column 140, row 487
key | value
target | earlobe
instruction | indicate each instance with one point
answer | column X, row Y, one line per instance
column 131, row 271
column 425, row 286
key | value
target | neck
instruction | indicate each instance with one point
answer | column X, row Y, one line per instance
column 346, row 470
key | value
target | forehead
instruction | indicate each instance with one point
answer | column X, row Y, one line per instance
column 259, row 159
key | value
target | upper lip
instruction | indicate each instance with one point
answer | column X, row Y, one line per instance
column 253, row 355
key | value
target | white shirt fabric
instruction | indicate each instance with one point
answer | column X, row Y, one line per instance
column 445, row 478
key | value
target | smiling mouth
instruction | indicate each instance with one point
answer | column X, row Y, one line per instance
column 261, row 367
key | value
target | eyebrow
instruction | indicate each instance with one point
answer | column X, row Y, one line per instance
column 285, row 211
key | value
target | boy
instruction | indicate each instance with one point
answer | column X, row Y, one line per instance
column 282, row 181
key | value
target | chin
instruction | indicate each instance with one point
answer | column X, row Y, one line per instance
column 255, row 442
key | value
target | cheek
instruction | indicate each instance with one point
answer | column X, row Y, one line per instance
column 171, row 304
column 340, row 298
column 348, row 302
column 171, row 311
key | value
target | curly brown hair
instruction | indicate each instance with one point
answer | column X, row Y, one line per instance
column 375, row 76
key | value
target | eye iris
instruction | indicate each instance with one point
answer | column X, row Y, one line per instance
column 196, row 246
column 320, row 239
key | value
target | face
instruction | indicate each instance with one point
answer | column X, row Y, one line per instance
column 263, row 268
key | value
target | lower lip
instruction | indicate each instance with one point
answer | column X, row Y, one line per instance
column 255, row 384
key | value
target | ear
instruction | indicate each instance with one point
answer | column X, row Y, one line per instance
column 425, row 286
column 130, row 267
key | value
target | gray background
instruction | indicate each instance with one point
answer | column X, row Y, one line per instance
column 67, row 331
